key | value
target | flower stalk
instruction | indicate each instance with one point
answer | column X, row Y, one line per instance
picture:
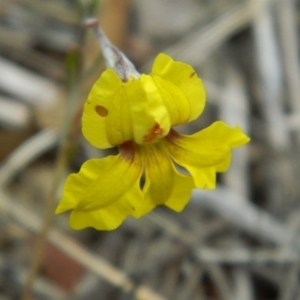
column 114, row 58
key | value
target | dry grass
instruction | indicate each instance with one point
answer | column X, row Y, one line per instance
column 238, row 242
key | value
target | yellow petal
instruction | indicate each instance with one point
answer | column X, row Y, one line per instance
column 101, row 188
column 206, row 152
column 182, row 90
column 97, row 108
column 117, row 111
column 146, row 205
column 174, row 101
column 149, row 117
column 111, row 216
column 142, row 109
column 164, row 184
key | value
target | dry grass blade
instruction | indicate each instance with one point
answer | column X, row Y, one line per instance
column 26, row 85
column 14, row 115
column 197, row 46
column 243, row 287
column 270, row 75
column 93, row 263
column 288, row 37
column 240, row 241
column 234, row 110
column 244, row 215
column 26, row 153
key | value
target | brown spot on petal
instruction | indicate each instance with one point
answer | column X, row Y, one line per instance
column 101, row 111
column 193, row 74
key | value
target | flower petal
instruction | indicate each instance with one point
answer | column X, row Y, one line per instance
column 149, row 116
column 142, row 109
column 97, row 108
column 177, row 80
column 111, row 216
column 107, row 188
column 206, row 152
column 179, row 111
column 164, row 184
column 117, row 111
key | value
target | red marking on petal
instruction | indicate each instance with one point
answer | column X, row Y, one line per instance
column 173, row 135
column 101, row 111
column 127, row 150
column 155, row 131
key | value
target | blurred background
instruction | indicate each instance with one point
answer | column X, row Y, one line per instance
column 240, row 241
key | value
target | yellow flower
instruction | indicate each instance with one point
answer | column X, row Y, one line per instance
column 137, row 115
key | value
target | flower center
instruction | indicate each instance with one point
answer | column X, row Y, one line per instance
column 153, row 134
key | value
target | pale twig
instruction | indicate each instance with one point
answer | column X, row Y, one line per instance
column 235, row 255
column 27, row 153
column 244, row 215
column 270, row 75
column 288, row 36
column 100, row 267
column 234, row 109
column 13, row 114
column 242, row 284
column 215, row 271
column 246, row 256
column 197, row 46
column 26, row 85
column 94, row 263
